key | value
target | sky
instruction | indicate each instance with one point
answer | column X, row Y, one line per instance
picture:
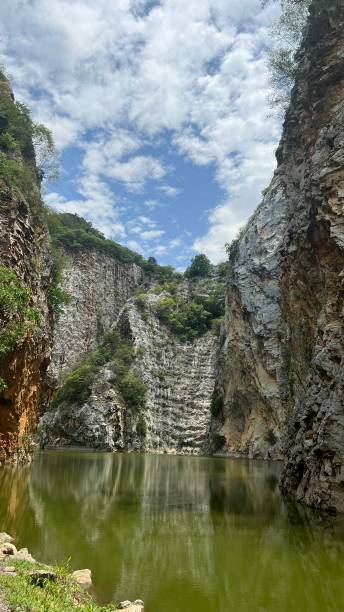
column 159, row 112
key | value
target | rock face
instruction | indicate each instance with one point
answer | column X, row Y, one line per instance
column 251, row 373
column 24, row 248
column 179, row 378
column 99, row 286
column 281, row 368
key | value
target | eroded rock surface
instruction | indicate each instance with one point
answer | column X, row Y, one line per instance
column 25, row 248
column 179, row 378
column 281, row 368
column 99, row 286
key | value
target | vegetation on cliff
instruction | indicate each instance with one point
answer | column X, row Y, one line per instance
column 17, row 317
column 120, row 354
column 27, row 150
column 73, row 233
column 192, row 309
column 189, row 318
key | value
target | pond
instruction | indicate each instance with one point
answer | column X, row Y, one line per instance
column 185, row 534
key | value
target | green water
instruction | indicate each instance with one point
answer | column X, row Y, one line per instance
column 183, row 533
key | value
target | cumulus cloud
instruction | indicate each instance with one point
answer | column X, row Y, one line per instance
column 111, row 78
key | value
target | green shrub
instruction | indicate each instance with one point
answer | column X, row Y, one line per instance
column 186, row 319
column 133, row 390
column 199, row 267
column 141, row 300
column 217, row 404
column 18, row 319
column 77, row 386
column 141, row 427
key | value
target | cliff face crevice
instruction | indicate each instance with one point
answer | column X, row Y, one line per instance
column 282, row 362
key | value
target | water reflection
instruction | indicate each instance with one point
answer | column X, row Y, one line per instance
column 181, row 532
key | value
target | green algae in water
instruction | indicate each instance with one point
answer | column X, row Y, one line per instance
column 182, row 533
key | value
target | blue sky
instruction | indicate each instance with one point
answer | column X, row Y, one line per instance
column 159, row 110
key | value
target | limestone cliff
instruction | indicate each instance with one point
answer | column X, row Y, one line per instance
column 179, row 379
column 281, row 368
column 98, row 286
column 26, row 261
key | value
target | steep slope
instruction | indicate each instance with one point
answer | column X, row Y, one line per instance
column 281, row 369
column 98, row 286
column 180, row 379
column 25, row 259
column 175, row 376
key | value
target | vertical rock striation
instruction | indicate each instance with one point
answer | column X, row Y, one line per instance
column 281, row 367
column 180, row 380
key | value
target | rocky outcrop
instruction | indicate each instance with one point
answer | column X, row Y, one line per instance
column 251, row 375
column 282, row 362
column 179, row 378
column 25, row 249
column 98, row 286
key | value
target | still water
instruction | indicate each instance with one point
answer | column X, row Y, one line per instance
column 185, row 534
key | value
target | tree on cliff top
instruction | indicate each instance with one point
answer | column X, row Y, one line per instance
column 199, row 267
column 283, row 65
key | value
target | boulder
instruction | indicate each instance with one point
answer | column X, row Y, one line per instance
column 4, row 537
column 128, row 606
column 83, row 577
column 24, row 555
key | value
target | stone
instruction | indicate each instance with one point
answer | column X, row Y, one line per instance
column 124, row 604
column 4, row 537
column 8, row 569
column 40, row 577
column 24, row 555
column 8, row 549
column 83, row 577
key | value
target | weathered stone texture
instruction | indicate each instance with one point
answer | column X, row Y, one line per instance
column 99, row 286
column 180, row 380
column 24, row 247
column 282, row 362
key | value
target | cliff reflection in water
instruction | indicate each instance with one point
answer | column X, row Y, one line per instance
column 194, row 533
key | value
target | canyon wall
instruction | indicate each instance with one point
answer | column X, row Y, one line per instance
column 281, row 365
column 179, row 379
column 24, row 251
column 98, row 286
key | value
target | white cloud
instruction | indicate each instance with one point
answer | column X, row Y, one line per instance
column 150, row 234
column 112, row 78
column 171, row 192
